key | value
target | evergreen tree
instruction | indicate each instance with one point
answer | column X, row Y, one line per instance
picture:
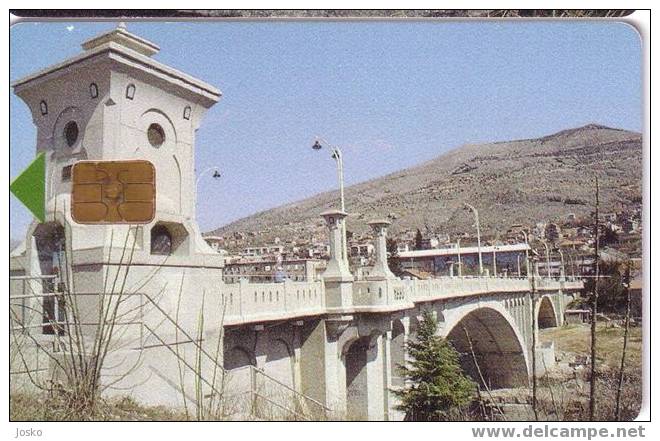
column 393, row 260
column 418, row 240
column 611, row 287
column 437, row 388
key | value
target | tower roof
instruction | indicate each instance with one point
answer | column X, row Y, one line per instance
column 131, row 53
column 122, row 37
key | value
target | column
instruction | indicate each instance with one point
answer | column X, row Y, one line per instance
column 387, row 373
column 337, row 277
column 374, row 367
column 380, row 270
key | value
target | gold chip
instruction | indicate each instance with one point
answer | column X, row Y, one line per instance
column 113, row 192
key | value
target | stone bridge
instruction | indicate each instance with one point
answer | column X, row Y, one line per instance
column 336, row 341
column 340, row 341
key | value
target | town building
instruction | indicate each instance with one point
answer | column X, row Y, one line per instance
column 496, row 259
column 273, row 270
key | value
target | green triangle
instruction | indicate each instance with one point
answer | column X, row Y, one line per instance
column 30, row 187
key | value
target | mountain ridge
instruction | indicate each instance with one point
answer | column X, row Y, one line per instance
column 429, row 195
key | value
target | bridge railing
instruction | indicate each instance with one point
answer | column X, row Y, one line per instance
column 385, row 293
column 248, row 301
column 464, row 286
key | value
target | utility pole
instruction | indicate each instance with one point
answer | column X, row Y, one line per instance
column 626, row 283
column 594, row 311
column 532, row 303
column 476, row 220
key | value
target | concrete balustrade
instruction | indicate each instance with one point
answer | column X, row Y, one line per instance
column 382, row 295
column 252, row 302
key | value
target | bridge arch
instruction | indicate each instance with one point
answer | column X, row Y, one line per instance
column 489, row 335
column 546, row 315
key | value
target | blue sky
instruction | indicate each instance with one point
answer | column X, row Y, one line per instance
column 391, row 94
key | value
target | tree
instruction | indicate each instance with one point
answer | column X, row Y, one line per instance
column 552, row 232
column 437, row 388
column 608, row 236
column 611, row 287
column 393, row 260
column 418, row 240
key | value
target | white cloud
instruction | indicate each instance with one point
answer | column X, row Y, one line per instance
column 70, row 28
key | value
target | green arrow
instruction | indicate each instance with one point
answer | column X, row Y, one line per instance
column 30, row 187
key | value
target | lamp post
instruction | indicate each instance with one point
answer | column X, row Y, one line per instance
column 562, row 272
column 524, row 233
column 494, row 261
column 547, row 256
column 216, row 174
column 571, row 261
column 476, row 218
column 338, row 157
column 458, row 252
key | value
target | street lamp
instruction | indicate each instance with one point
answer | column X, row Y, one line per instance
column 476, row 218
column 562, row 272
column 216, row 174
column 571, row 262
column 524, row 233
column 338, row 157
column 458, row 252
column 547, row 256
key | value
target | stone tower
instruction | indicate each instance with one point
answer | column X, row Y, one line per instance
column 115, row 102
column 112, row 102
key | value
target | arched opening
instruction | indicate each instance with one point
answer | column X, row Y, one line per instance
column 161, row 240
column 355, row 360
column 237, row 357
column 546, row 316
column 490, row 350
column 398, row 351
column 169, row 238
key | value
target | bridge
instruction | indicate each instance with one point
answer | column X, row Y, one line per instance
column 335, row 342
column 342, row 347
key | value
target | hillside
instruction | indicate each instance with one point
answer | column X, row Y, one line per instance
column 521, row 181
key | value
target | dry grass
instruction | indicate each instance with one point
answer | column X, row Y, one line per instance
column 42, row 407
column 609, row 341
column 567, row 398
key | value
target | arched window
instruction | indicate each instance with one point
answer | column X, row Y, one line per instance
column 130, row 91
column 93, row 90
column 186, row 112
column 44, row 108
column 161, row 240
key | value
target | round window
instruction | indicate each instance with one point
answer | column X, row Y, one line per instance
column 156, row 135
column 71, row 133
